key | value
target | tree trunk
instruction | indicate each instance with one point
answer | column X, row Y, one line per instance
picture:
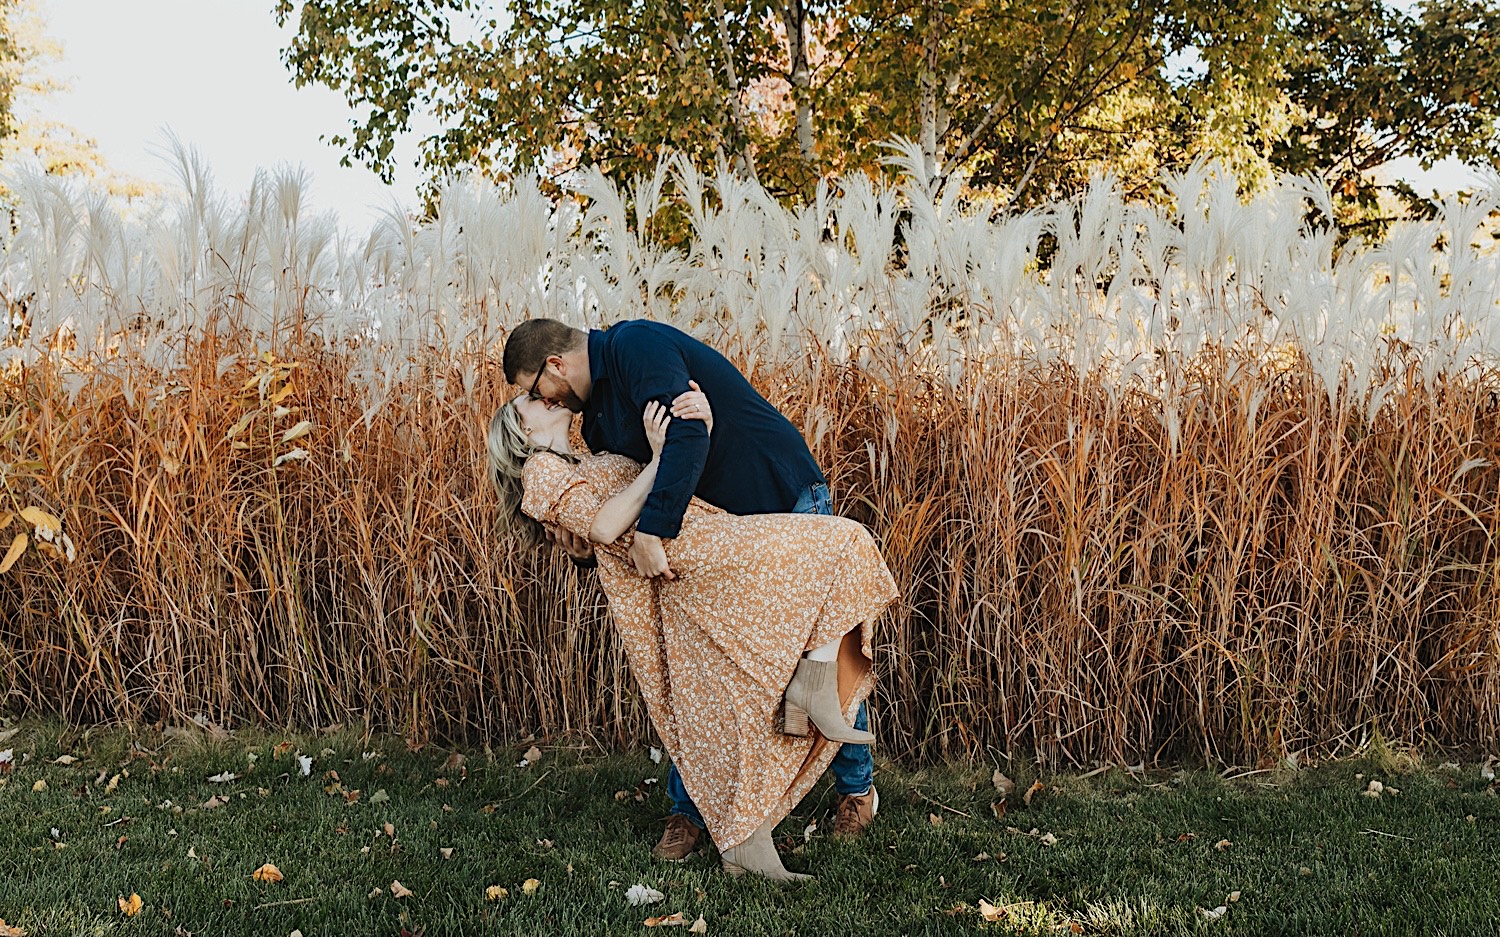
column 927, row 103
column 794, row 17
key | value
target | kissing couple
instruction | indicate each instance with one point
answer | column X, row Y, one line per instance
column 744, row 606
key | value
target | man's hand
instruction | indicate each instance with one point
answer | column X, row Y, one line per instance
column 649, row 557
column 577, row 548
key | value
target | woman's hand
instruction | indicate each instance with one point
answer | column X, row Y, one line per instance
column 655, row 420
column 693, row 405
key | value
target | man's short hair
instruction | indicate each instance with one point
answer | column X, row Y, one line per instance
column 534, row 341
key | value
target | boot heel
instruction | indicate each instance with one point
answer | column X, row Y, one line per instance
column 735, row 871
column 794, row 721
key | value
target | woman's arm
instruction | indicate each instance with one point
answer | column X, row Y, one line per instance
column 622, row 511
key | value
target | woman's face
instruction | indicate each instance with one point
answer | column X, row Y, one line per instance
column 544, row 422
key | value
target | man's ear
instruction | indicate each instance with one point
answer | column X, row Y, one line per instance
column 558, row 362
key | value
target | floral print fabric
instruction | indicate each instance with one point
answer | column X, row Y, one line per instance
column 714, row 649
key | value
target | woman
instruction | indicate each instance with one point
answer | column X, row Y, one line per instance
column 767, row 613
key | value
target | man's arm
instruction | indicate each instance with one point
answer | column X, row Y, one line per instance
column 655, row 373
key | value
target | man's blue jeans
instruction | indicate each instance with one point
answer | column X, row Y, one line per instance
column 853, row 767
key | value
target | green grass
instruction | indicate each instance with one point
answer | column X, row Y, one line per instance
column 1133, row 855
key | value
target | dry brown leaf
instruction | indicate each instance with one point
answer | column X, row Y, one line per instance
column 214, row 802
column 533, row 754
column 375, row 893
column 934, row 819
column 1222, row 845
column 1036, row 788
column 1003, row 784
column 446, row 852
column 530, row 886
column 131, row 906
column 64, row 760
column 998, row 809
column 699, row 926
column 17, row 547
column 389, row 830
column 989, row 912
column 670, row 920
column 267, row 873
column 10, row 930
column 37, row 517
column 495, row 893
column 454, row 763
column 399, row 890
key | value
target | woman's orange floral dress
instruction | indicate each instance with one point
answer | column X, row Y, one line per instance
column 714, row 649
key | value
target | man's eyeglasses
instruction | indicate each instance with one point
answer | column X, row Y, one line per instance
column 532, row 392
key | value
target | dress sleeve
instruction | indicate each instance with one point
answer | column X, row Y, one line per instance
column 555, row 492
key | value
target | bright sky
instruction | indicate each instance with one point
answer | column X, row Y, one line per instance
column 210, row 71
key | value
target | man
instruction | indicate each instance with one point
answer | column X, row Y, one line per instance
column 757, row 464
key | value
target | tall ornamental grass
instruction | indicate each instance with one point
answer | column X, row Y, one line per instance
column 1154, row 479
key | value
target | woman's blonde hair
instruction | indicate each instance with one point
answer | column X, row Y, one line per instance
column 509, row 448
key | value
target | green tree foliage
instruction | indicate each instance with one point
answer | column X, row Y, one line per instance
column 1025, row 99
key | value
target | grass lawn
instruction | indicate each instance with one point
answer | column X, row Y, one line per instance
column 1306, row 852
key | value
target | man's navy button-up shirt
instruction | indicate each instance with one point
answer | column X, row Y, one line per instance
column 756, row 462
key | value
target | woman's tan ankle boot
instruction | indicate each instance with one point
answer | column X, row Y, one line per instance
column 813, row 696
column 757, row 855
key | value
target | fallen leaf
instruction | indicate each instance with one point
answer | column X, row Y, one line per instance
column 214, row 802
column 399, row 890
column 17, row 547
column 533, row 755
column 656, row 756
column 495, row 893
column 1233, row 897
column 671, row 920
column 530, row 886
column 638, row 895
column 700, row 926
column 1036, row 788
column 1215, row 914
column 934, row 819
column 10, row 930
column 223, row 778
column 446, row 852
column 38, row 787
column 1186, row 837
column 374, row 893
column 809, row 830
column 64, row 760
column 304, row 764
column 389, row 830
column 192, row 853
column 998, row 809
column 1003, row 784
column 1048, row 839
column 131, row 906
column 267, row 873
column 380, row 797
column 989, row 912
column 1222, row 845
column 982, row 857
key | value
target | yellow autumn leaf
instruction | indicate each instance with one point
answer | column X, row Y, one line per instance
column 282, row 394
column 495, row 893
column 399, row 890
column 131, row 906
column 10, row 930
column 38, row 787
column 239, row 426
column 298, row 431
column 17, row 547
column 36, row 517
column 530, row 886
column 5, row 520
column 267, row 873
